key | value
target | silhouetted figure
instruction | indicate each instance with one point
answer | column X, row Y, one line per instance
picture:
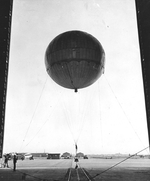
column 6, row 158
column 15, row 158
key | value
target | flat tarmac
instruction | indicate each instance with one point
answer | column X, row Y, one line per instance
column 55, row 170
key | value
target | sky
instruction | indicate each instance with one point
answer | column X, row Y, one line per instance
column 104, row 118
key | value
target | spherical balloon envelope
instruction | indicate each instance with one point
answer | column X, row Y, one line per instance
column 75, row 59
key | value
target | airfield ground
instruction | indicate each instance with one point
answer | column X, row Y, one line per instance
column 44, row 170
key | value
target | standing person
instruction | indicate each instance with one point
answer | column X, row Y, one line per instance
column 6, row 157
column 15, row 161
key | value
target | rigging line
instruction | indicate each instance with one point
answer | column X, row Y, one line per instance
column 77, row 107
column 69, row 124
column 124, row 112
column 120, row 162
column 35, row 110
column 84, row 113
column 43, row 123
column 91, row 94
column 100, row 113
column 67, row 120
column 78, row 119
column 37, row 132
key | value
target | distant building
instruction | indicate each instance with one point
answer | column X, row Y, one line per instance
column 53, row 156
column 66, row 155
column 39, row 155
column 80, row 155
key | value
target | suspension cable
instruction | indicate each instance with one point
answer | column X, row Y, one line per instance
column 34, row 111
column 79, row 117
column 67, row 120
column 43, row 123
column 100, row 114
column 119, row 162
column 123, row 111
column 84, row 113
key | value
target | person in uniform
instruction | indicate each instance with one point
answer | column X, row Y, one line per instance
column 15, row 158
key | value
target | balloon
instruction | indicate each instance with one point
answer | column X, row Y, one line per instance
column 75, row 59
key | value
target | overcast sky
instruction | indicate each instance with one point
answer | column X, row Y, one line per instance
column 106, row 117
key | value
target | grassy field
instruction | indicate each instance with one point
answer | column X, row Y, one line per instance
column 43, row 169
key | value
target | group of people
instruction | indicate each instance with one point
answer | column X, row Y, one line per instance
column 6, row 159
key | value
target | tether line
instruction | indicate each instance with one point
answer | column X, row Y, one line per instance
column 34, row 111
column 124, row 112
column 119, row 162
column 44, row 122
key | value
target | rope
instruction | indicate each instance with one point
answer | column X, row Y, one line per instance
column 67, row 120
column 79, row 117
column 124, row 112
column 43, row 124
column 100, row 114
column 34, row 111
column 119, row 162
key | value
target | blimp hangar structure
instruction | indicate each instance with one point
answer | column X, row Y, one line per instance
column 5, row 32
column 143, row 16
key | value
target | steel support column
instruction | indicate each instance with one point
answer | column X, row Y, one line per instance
column 5, row 30
column 143, row 22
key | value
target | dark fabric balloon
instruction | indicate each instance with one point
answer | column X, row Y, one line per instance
column 75, row 59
